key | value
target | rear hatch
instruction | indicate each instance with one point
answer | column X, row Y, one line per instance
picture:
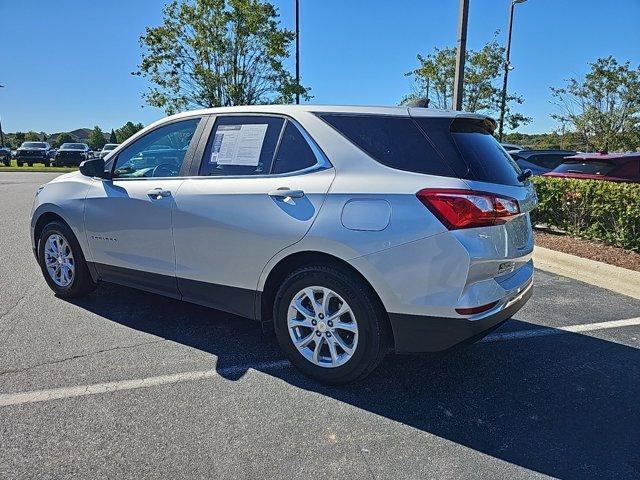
column 498, row 250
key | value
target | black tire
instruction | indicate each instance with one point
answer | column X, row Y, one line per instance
column 373, row 334
column 19, row 163
column 46, row 164
column 82, row 282
column 30, row 164
column 7, row 162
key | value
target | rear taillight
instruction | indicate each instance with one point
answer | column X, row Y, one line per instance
column 467, row 208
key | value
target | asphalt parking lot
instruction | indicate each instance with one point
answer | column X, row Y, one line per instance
column 128, row 384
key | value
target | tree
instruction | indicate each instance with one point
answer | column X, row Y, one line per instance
column 62, row 138
column 604, row 106
column 96, row 138
column 112, row 137
column 19, row 138
column 210, row 53
column 127, row 130
column 482, row 82
column 31, row 136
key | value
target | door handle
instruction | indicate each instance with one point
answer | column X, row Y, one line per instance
column 284, row 192
column 159, row 193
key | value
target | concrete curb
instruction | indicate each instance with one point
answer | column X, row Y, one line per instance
column 616, row 279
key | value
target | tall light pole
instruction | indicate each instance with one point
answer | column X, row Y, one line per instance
column 458, row 86
column 1, row 134
column 297, row 51
column 507, row 67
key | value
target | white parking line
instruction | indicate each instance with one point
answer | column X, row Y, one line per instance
column 8, row 399
column 541, row 332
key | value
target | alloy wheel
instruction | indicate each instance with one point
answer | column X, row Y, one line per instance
column 58, row 259
column 322, row 326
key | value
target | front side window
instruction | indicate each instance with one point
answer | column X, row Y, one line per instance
column 160, row 153
column 241, row 145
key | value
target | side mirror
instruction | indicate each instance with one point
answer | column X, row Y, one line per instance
column 94, row 167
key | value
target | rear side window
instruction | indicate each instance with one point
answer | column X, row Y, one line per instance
column 629, row 170
column 394, row 141
column 487, row 159
column 294, row 152
column 241, row 145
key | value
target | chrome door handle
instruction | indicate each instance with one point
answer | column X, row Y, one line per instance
column 286, row 193
column 159, row 193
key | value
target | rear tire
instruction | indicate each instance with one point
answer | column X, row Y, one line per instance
column 30, row 164
column 363, row 326
column 62, row 262
column 19, row 163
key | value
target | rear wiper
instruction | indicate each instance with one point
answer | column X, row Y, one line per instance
column 526, row 173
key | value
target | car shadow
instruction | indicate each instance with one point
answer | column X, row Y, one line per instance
column 564, row 405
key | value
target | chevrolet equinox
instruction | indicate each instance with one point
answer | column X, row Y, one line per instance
column 355, row 230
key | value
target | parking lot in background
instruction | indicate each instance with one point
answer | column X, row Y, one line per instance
column 125, row 383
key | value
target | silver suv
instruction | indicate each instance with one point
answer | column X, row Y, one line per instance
column 356, row 231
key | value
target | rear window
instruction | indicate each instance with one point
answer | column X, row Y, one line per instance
column 547, row 161
column 488, row 161
column 433, row 145
column 394, row 141
column 589, row 168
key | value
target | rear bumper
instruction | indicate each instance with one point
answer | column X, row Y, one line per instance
column 417, row 333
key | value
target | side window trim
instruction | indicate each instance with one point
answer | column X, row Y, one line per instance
column 322, row 161
column 189, row 155
column 278, row 145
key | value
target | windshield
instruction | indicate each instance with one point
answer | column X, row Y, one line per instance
column 110, row 146
column 589, row 168
column 72, row 146
column 34, row 145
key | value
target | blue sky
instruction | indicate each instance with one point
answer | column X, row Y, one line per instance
column 67, row 64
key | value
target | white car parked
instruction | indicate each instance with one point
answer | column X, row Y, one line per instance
column 107, row 149
column 355, row 230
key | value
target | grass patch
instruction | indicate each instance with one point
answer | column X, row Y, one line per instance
column 38, row 167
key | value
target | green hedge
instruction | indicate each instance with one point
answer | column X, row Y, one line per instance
column 596, row 209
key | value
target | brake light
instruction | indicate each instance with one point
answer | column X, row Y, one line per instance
column 458, row 209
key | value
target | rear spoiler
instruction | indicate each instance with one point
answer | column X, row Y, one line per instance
column 483, row 121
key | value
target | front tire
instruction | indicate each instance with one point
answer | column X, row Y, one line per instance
column 330, row 324
column 62, row 262
column 19, row 163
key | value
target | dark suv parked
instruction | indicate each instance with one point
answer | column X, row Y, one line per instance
column 72, row 154
column 5, row 155
column 33, row 152
column 540, row 161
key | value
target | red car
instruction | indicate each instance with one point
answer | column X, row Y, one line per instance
column 614, row 167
